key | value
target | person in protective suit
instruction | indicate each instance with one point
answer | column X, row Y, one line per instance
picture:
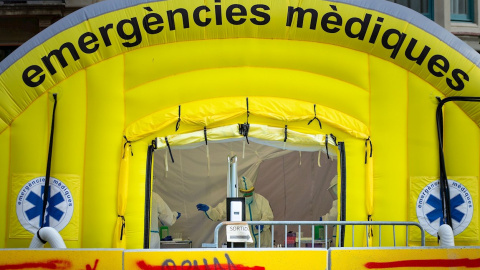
column 332, row 214
column 160, row 213
column 257, row 208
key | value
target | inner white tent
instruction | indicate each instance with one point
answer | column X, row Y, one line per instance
column 294, row 182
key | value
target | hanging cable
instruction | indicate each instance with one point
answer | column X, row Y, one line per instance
column 444, row 188
column 366, row 148
column 169, row 149
column 46, row 190
column 326, row 146
column 205, row 135
column 248, row 111
column 285, row 140
column 208, row 152
column 315, row 118
column 178, row 121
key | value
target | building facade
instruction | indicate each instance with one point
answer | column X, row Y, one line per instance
column 461, row 17
column 20, row 20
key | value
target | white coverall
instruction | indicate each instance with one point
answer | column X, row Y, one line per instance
column 258, row 210
column 332, row 214
column 160, row 213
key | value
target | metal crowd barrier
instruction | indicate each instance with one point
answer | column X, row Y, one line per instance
column 326, row 224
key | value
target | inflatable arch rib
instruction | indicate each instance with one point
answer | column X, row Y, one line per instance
column 127, row 72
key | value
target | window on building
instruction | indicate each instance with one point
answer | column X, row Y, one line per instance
column 421, row 6
column 5, row 51
column 461, row 10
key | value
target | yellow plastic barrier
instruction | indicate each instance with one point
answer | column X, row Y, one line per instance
column 78, row 259
column 404, row 258
column 226, row 259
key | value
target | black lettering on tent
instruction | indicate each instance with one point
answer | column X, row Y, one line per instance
column 301, row 14
column 61, row 59
column 376, row 30
column 86, row 39
column 218, row 13
column 230, row 14
column 28, row 77
column 420, row 58
column 135, row 32
column 459, row 82
column 440, row 62
column 331, row 18
column 196, row 16
column 157, row 20
column 171, row 18
column 255, row 11
column 396, row 46
column 104, row 32
column 363, row 27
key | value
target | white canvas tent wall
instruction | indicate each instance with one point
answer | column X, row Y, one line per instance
column 295, row 183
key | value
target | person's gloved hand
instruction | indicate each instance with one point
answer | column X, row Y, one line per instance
column 168, row 238
column 179, row 215
column 259, row 227
column 202, row 207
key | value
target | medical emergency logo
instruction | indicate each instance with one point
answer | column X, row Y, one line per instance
column 29, row 204
column 429, row 207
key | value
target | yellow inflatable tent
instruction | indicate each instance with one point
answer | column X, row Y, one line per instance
column 85, row 103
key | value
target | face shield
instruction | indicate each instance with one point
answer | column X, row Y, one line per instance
column 333, row 188
column 248, row 197
column 246, row 187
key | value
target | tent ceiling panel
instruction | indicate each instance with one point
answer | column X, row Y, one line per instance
column 247, row 81
column 219, row 110
column 265, row 135
column 156, row 62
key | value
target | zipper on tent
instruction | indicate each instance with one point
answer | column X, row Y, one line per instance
column 148, row 195
column 169, row 149
column 343, row 190
column 208, row 151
